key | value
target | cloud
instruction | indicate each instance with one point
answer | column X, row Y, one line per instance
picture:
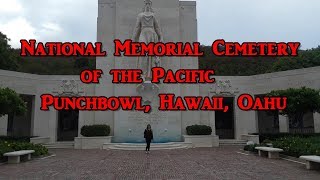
column 232, row 20
column 59, row 20
column 11, row 6
column 251, row 20
column 52, row 27
column 67, row 20
column 17, row 29
column 285, row 20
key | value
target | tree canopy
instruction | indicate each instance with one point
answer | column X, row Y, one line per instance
column 11, row 102
column 299, row 102
column 224, row 66
column 8, row 56
column 245, row 66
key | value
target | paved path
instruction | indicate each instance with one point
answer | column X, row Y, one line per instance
column 203, row 163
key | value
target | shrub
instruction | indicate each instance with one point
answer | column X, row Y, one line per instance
column 297, row 146
column 199, row 130
column 4, row 148
column 9, row 146
column 274, row 136
column 11, row 102
column 267, row 141
column 39, row 149
column 13, row 138
column 250, row 148
column 95, row 130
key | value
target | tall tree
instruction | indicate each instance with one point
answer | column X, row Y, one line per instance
column 8, row 56
column 299, row 102
column 11, row 102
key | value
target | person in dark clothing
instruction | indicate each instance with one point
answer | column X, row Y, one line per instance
column 148, row 135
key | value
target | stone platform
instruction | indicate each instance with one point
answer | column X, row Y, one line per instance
column 199, row 163
column 142, row 146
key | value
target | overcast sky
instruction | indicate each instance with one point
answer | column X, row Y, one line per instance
column 232, row 20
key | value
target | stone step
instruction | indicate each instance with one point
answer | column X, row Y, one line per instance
column 141, row 146
column 153, row 147
column 232, row 142
column 60, row 145
column 153, row 144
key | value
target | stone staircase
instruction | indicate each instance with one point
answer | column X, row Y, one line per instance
column 60, row 145
column 232, row 142
column 142, row 146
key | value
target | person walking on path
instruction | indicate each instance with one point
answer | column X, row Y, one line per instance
column 148, row 135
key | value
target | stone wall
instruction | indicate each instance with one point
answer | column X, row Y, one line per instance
column 246, row 121
column 44, row 123
column 178, row 23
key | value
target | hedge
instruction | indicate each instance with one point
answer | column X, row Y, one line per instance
column 9, row 146
column 274, row 136
column 293, row 146
column 251, row 147
column 199, row 130
column 298, row 146
column 95, row 130
column 14, row 138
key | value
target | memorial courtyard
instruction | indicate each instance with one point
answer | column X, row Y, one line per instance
column 198, row 163
column 90, row 134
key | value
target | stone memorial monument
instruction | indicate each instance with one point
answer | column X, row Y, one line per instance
column 158, row 21
column 147, row 30
column 149, row 21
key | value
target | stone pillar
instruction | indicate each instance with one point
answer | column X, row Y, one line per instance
column 44, row 122
column 245, row 122
column 106, row 23
column 312, row 165
column 81, row 119
column 237, row 119
column 53, row 124
column 40, row 126
column 32, row 130
column 3, row 125
column 316, row 118
column 212, row 121
column 80, row 122
column 188, row 33
column 283, row 124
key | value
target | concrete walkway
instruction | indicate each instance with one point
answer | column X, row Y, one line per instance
column 202, row 163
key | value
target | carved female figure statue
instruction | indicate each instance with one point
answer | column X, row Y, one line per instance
column 147, row 30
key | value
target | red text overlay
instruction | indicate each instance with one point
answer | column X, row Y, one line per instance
column 93, row 103
column 130, row 48
column 181, row 76
column 222, row 48
column 32, row 48
column 167, row 102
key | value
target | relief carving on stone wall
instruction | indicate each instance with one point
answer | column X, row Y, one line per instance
column 148, row 91
column 68, row 88
column 147, row 30
column 295, row 84
column 223, row 87
column 110, row 3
